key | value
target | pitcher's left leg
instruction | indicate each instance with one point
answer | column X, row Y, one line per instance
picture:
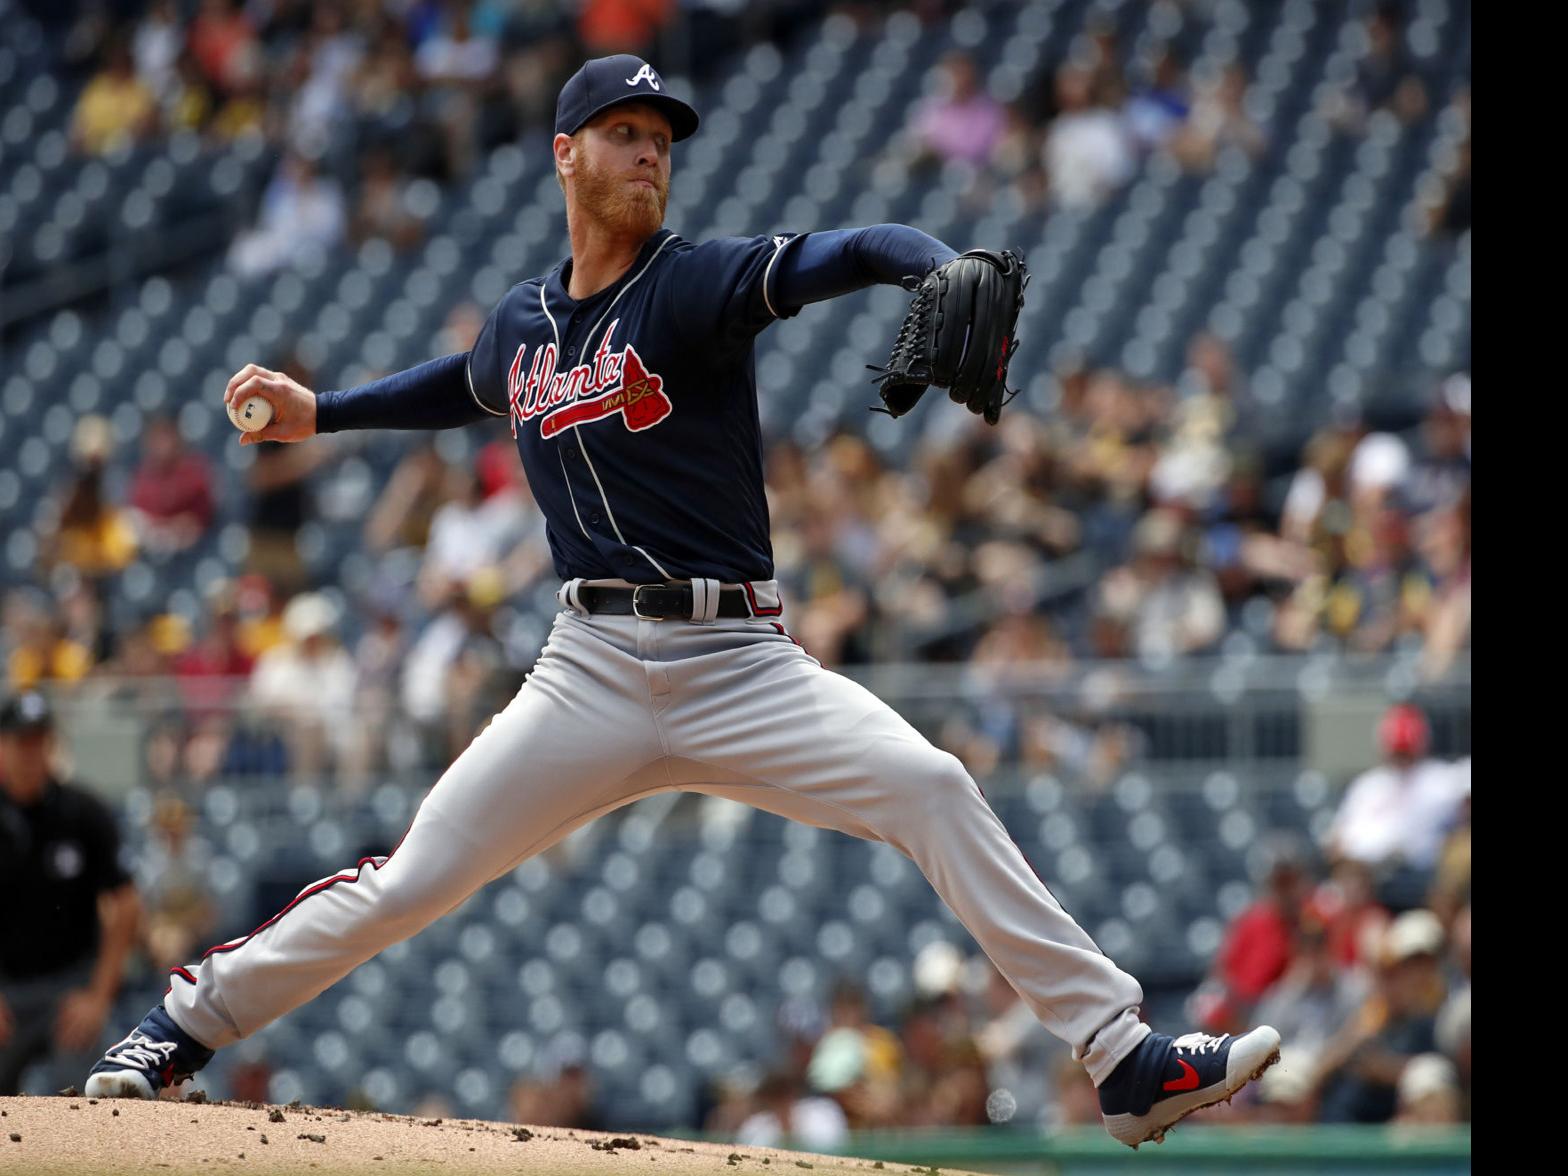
column 766, row 725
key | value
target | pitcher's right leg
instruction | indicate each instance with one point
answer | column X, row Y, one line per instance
column 576, row 742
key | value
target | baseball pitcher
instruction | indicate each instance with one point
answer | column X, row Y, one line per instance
column 626, row 376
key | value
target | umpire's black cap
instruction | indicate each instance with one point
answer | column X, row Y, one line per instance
column 26, row 712
column 608, row 81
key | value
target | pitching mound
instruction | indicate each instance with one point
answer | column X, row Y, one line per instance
column 67, row 1136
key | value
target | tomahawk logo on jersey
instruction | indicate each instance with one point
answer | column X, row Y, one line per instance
column 634, row 409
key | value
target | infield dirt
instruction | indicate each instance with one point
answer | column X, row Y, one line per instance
column 66, row 1136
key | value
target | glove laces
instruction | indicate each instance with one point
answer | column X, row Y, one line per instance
column 914, row 327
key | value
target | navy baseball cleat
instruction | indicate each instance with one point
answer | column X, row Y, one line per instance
column 158, row 1053
column 1165, row 1079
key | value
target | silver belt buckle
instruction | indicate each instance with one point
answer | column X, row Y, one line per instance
column 637, row 612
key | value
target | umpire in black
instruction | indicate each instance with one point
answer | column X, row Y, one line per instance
column 68, row 909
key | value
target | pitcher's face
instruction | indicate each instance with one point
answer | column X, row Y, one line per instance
column 620, row 169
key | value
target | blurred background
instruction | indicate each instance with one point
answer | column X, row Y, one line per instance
column 1196, row 615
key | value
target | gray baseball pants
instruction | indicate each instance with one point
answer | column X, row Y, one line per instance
column 619, row 708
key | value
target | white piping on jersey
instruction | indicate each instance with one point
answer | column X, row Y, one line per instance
column 606, row 499
column 583, row 445
column 565, row 478
column 468, row 374
column 778, row 247
column 557, row 334
column 587, row 350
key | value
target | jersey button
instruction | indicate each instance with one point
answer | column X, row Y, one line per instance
column 594, row 518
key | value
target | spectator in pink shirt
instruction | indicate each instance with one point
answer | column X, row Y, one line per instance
column 963, row 123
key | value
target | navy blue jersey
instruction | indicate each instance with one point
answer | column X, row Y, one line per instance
column 635, row 409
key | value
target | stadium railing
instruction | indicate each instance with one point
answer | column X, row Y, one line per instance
column 1308, row 714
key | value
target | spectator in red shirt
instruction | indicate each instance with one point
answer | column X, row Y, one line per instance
column 221, row 40
column 1347, row 905
column 211, row 673
column 1261, row 940
column 622, row 26
column 171, row 491
column 208, row 667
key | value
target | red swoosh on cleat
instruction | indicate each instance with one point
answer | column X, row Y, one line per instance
column 1187, row 1081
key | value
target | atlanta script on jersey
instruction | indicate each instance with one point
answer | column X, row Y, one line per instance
column 635, row 409
column 615, row 383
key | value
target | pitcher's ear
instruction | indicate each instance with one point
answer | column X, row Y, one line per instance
column 565, row 156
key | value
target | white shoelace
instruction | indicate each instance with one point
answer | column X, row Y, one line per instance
column 141, row 1050
column 1200, row 1043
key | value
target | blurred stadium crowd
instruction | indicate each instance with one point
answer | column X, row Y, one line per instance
column 1370, row 552
column 1137, row 518
column 1126, row 515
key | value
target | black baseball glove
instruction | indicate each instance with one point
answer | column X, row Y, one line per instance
column 958, row 334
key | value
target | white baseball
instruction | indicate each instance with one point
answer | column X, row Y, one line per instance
column 251, row 414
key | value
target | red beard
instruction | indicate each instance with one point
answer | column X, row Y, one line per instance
column 614, row 201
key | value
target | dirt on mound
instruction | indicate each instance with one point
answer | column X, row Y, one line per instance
column 72, row 1136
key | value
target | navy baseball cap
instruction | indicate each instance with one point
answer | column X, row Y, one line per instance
column 28, row 711
column 608, row 81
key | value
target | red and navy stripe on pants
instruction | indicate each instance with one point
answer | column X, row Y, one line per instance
column 375, row 863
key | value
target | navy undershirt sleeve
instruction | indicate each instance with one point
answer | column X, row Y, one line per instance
column 433, row 395
column 825, row 265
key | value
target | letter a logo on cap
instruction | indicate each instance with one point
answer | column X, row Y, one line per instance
column 644, row 74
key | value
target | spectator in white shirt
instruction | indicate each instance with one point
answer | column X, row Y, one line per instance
column 470, row 531
column 1399, row 812
column 323, row 66
column 786, row 1119
column 1172, row 607
column 1087, row 149
column 456, row 66
column 448, row 666
column 156, row 46
column 302, row 215
column 455, row 56
column 308, row 683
